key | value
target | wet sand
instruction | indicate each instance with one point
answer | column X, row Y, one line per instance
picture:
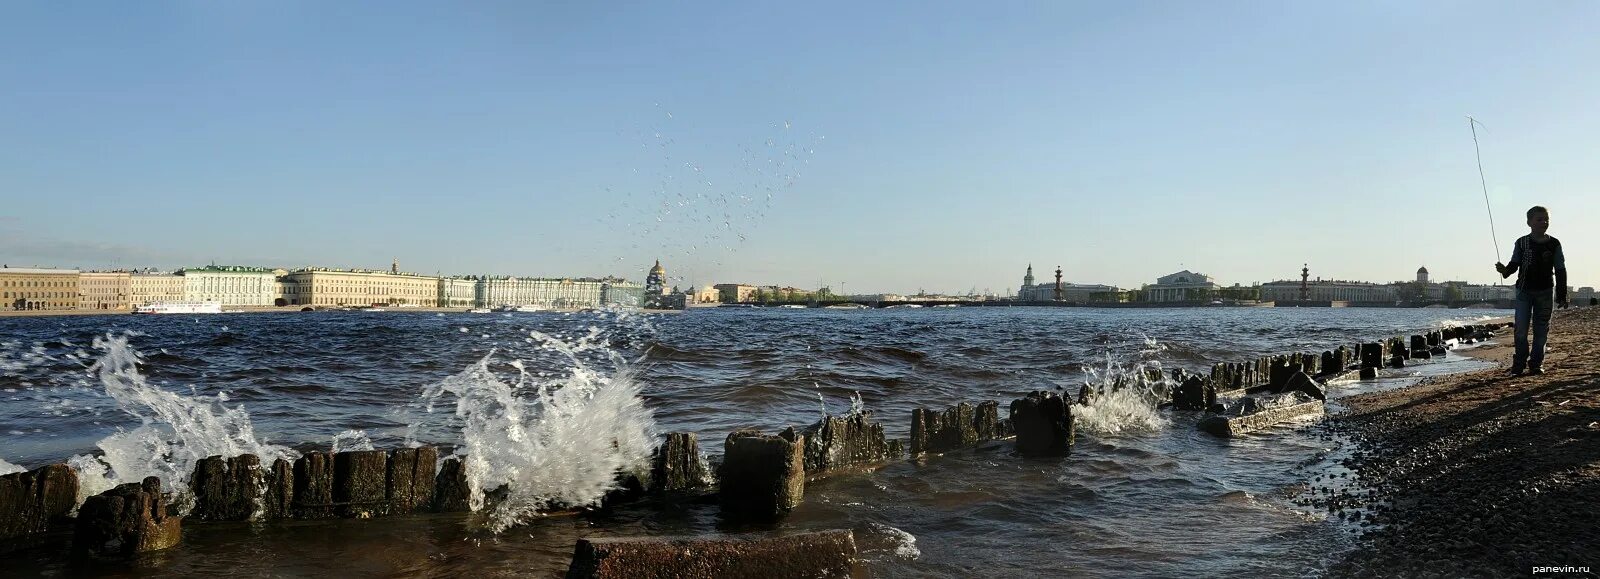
column 1479, row 474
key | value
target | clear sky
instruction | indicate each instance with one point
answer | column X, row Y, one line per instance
column 940, row 146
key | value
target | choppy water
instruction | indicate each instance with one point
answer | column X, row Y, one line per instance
column 1143, row 494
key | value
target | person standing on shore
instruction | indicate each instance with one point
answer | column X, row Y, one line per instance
column 1536, row 258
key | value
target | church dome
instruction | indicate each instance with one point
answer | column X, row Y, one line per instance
column 1422, row 270
column 658, row 269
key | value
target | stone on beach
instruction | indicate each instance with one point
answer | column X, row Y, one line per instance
column 1305, row 384
column 1250, row 414
column 677, row 465
column 360, row 483
column 951, row 429
column 226, row 489
column 280, row 490
column 30, row 501
column 987, row 423
column 837, row 442
column 411, row 478
column 313, row 486
column 1044, row 424
column 762, row 476
column 820, row 554
column 451, row 494
column 1372, row 355
column 1193, row 393
column 125, row 521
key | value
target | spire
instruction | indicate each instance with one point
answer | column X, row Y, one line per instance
column 394, row 267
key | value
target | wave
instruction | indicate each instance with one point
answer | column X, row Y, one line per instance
column 545, row 441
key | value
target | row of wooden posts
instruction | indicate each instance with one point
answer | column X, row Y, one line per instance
column 1271, row 373
column 761, row 475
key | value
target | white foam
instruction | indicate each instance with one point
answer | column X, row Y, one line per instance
column 557, row 441
column 8, row 468
column 351, row 440
column 1125, row 398
column 175, row 431
column 903, row 544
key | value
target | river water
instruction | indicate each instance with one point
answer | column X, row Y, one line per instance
column 1144, row 493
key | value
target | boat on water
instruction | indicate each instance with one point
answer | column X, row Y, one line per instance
column 478, row 311
column 179, row 308
column 846, row 307
column 792, row 307
column 522, row 308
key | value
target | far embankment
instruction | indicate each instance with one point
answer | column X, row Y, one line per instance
column 274, row 310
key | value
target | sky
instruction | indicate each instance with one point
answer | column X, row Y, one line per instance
column 869, row 147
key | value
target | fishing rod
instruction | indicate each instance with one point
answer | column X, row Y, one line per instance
column 1473, row 124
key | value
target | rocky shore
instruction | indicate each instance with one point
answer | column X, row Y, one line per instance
column 1480, row 474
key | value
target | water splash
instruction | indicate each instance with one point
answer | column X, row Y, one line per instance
column 1124, row 398
column 881, row 538
column 175, row 431
column 551, row 440
column 351, row 440
column 8, row 468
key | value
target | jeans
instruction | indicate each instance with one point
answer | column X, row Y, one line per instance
column 1532, row 307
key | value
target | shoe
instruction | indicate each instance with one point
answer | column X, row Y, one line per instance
column 1535, row 371
column 1515, row 371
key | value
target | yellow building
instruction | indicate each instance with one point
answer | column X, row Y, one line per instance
column 154, row 288
column 706, row 295
column 38, row 289
column 104, row 290
column 332, row 287
column 458, row 292
column 735, row 293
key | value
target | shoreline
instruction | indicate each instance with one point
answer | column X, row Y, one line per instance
column 1477, row 474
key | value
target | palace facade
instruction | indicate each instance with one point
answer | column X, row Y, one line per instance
column 104, row 290
column 23, row 288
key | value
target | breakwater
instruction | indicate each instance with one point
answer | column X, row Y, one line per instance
column 760, row 476
column 711, row 374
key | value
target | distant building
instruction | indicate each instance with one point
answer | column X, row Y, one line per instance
column 707, row 295
column 1183, row 286
column 1422, row 275
column 1321, row 290
column 458, row 292
column 1488, row 293
column 550, row 292
column 151, row 288
column 655, row 284
column 655, row 291
column 230, row 285
column 735, row 293
column 1070, row 292
column 39, row 289
column 334, row 287
column 620, row 292
column 103, row 290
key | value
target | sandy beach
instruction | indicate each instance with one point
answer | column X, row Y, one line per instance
column 1479, row 474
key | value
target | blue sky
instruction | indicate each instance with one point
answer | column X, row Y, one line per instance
column 937, row 146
